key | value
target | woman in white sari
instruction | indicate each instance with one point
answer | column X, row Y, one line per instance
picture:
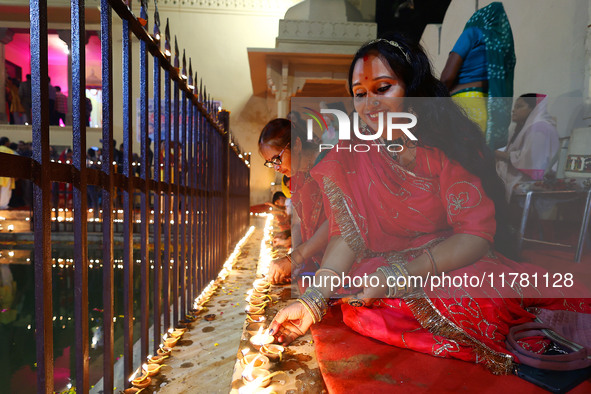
column 532, row 146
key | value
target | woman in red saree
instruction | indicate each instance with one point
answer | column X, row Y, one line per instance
column 435, row 207
column 294, row 157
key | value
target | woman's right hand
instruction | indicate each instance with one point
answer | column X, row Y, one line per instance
column 290, row 323
column 280, row 271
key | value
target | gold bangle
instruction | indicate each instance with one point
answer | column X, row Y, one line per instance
column 289, row 256
column 308, row 309
column 428, row 252
column 327, row 270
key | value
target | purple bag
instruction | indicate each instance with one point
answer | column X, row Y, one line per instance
column 571, row 331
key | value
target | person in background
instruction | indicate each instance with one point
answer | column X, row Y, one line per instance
column 24, row 93
column 17, row 111
column 279, row 199
column 52, row 116
column 88, row 111
column 6, row 183
column 294, row 161
column 533, row 144
column 479, row 72
column 61, row 105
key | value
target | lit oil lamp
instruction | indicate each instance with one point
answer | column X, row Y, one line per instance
column 261, row 338
column 261, row 285
column 141, row 382
column 151, row 369
column 258, row 298
column 164, row 351
column 169, row 341
column 253, row 328
column 176, row 333
column 255, row 377
column 252, row 318
column 273, row 351
column 156, row 359
column 255, row 310
column 257, row 361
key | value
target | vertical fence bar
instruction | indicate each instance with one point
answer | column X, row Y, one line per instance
column 201, row 202
column 207, row 208
column 107, row 194
column 128, row 193
column 191, row 185
column 176, row 183
column 41, row 196
column 195, row 206
column 157, row 195
column 183, row 197
column 226, row 231
column 167, row 203
column 144, row 195
column 78, row 95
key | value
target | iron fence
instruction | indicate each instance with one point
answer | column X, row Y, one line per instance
column 186, row 203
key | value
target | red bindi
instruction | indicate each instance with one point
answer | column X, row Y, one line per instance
column 365, row 57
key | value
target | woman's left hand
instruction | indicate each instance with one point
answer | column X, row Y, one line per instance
column 371, row 294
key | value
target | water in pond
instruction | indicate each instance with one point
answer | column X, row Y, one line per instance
column 17, row 315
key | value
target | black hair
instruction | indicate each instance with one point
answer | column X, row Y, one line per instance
column 277, row 196
column 531, row 100
column 441, row 123
column 4, row 140
column 278, row 133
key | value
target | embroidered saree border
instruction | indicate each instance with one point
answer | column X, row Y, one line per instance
column 431, row 319
column 343, row 216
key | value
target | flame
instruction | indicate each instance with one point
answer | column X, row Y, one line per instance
column 132, row 377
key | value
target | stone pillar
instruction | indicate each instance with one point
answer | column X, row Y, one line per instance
column 66, row 37
column 5, row 37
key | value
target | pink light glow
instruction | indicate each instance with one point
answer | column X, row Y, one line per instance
column 18, row 52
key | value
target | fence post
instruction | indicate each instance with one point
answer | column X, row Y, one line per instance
column 224, row 117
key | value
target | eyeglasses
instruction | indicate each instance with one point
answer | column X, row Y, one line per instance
column 276, row 160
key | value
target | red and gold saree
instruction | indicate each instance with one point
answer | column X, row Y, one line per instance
column 388, row 214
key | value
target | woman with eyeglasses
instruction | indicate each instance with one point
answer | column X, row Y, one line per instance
column 294, row 158
column 407, row 219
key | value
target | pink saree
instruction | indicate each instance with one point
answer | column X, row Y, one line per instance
column 388, row 214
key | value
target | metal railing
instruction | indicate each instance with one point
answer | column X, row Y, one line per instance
column 200, row 186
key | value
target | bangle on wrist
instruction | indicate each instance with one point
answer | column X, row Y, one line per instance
column 308, row 309
column 396, row 287
column 329, row 270
column 293, row 258
column 432, row 260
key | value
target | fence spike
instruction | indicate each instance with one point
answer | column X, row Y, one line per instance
column 184, row 70
column 156, row 22
column 143, row 19
column 167, row 40
column 201, row 90
column 176, row 54
column 191, row 77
